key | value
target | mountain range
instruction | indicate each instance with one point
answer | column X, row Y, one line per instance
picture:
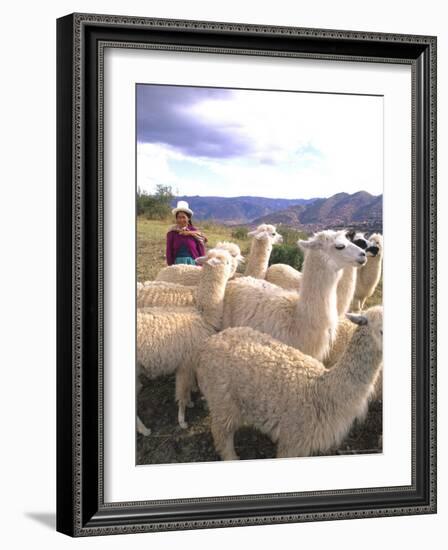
column 361, row 210
column 237, row 210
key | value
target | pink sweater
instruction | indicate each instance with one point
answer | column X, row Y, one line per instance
column 174, row 241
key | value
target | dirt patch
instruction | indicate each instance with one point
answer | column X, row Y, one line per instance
column 168, row 443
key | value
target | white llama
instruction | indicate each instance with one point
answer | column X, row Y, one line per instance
column 168, row 338
column 249, row 378
column 306, row 321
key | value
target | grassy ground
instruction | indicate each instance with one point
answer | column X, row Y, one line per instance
column 151, row 241
column 167, row 442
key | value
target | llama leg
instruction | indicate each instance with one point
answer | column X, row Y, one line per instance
column 290, row 451
column 184, row 383
column 223, row 440
column 141, row 428
column 225, row 420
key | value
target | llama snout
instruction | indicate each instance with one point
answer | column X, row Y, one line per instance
column 362, row 258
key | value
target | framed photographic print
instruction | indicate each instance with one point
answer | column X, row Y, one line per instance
column 246, row 274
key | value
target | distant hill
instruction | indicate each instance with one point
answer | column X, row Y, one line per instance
column 237, row 210
column 361, row 210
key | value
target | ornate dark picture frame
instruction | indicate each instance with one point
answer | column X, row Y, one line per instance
column 81, row 509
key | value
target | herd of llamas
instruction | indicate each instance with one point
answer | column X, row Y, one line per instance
column 293, row 354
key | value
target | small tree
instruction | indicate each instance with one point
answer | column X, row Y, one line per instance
column 156, row 206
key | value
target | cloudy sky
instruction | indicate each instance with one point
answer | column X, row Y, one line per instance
column 222, row 142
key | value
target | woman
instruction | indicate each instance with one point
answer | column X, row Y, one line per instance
column 184, row 243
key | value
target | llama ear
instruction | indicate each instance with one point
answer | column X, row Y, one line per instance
column 262, row 235
column 201, row 260
column 252, row 233
column 350, row 234
column 240, row 259
column 360, row 320
column 213, row 261
column 309, row 245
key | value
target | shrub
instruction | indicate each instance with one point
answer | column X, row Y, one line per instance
column 239, row 233
column 290, row 235
column 287, row 254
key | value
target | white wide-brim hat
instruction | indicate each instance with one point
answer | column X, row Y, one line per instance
column 182, row 206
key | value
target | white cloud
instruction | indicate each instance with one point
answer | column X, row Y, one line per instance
column 303, row 145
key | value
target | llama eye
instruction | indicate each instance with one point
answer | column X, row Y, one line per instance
column 340, row 246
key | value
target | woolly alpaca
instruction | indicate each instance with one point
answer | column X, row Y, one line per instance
column 308, row 320
column 168, row 338
column 188, row 275
column 248, row 377
column 263, row 239
column 368, row 277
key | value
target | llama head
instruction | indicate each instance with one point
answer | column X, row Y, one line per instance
column 217, row 259
column 375, row 247
column 266, row 232
column 358, row 238
column 234, row 250
column 339, row 251
column 372, row 320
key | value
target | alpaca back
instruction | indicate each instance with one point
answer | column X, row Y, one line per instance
column 161, row 293
column 187, row 275
column 260, row 305
column 168, row 336
column 307, row 321
column 277, row 380
column 284, row 276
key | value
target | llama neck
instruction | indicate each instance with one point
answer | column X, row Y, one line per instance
column 351, row 380
column 346, row 289
column 210, row 294
column 258, row 261
column 317, row 305
column 372, row 270
column 318, row 287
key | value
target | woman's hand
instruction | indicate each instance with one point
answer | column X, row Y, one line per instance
column 196, row 234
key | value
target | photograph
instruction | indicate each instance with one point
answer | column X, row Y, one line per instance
column 259, row 291
column 246, row 249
